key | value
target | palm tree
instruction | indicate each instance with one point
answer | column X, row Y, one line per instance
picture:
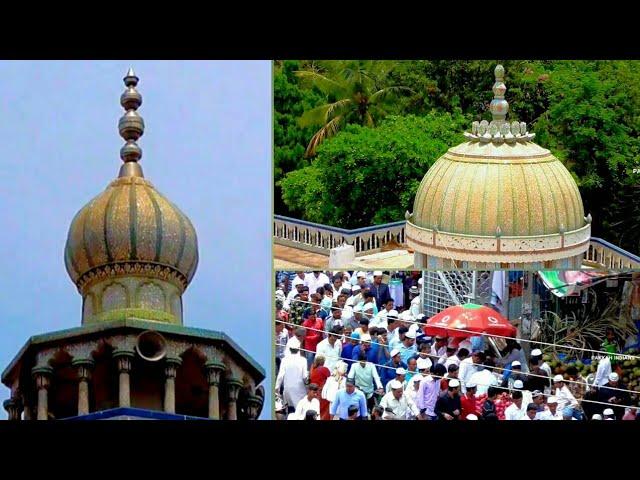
column 356, row 93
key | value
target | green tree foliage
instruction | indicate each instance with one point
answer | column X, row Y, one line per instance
column 593, row 125
column 357, row 91
column 366, row 176
column 290, row 140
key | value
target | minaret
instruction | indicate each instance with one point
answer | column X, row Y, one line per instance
column 131, row 254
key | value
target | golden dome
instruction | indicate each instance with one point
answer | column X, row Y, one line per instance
column 132, row 223
column 481, row 188
column 498, row 199
column 130, row 229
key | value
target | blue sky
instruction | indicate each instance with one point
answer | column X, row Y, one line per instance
column 206, row 146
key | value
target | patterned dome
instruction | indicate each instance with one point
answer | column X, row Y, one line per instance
column 133, row 226
column 498, row 200
column 480, row 188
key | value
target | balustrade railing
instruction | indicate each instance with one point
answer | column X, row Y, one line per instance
column 320, row 238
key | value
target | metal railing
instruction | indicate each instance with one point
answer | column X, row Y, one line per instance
column 319, row 238
column 605, row 254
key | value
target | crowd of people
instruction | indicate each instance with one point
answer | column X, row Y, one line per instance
column 350, row 347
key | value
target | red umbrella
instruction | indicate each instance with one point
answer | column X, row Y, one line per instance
column 470, row 318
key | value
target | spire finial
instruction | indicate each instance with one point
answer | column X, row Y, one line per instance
column 131, row 127
column 499, row 106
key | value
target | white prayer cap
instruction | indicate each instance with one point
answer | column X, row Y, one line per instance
column 400, row 371
column 416, row 378
column 356, row 288
column 471, row 416
column 394, row 352
column 361, row 275
column 607, row 412
column 377, row 273
column 423, row 364
column 293, row 343
column 613, row 377
column 558, row 378
column 357, row 308
column 515, row 363
column 454, row 383
column 365, row 337
column 552, row 399
column 420, row 281
column 392, row 314
column 414, row 289
column 410, row 334
column 406, row 316
column 368, row 306
column 298, row 281
column 413, row 328
column 518, row 384
column 536, row 352
column 471, row 385
column 395, row 384
column 596, row 416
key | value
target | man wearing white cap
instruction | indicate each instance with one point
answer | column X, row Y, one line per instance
column 609, row 414
column 471, row 416
column 355, row 297
column 532, row 411
column 411, row 390
column 394, row 363
column 414, row 295
column 402, row 406
column 565, row 397
column 527, row 396
column 292, row 375
column 597, row 416
column 552, row 412
column 536, row 355
column 439, row 347
column 379, row 290
column 448, row 406
column 400, row 373
column 408, row 348
column 609, row 393
column 298, row 284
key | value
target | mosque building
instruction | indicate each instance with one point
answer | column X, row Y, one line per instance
column 132, row 253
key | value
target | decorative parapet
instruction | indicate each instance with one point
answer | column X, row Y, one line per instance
column 604, row 254
column 320, row 238
column 498, row 248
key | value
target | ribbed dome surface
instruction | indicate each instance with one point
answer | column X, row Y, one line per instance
column 480, row 188
column 131, row 221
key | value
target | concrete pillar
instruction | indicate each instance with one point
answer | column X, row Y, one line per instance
column 213, row 371
column 42, row 377
column 170, row 370
column 123, row 357
column 84, row 367
column 13, row 406
column 254, row 406
column 233, row 389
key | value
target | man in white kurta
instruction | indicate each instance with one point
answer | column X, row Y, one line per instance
column 603, row 371
column 314, row 280
column 292, row 375
column 330, row 349
column 402, row 406
column 308, row 402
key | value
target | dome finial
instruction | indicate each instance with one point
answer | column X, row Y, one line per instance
column 499, row 106
column 131, row 127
